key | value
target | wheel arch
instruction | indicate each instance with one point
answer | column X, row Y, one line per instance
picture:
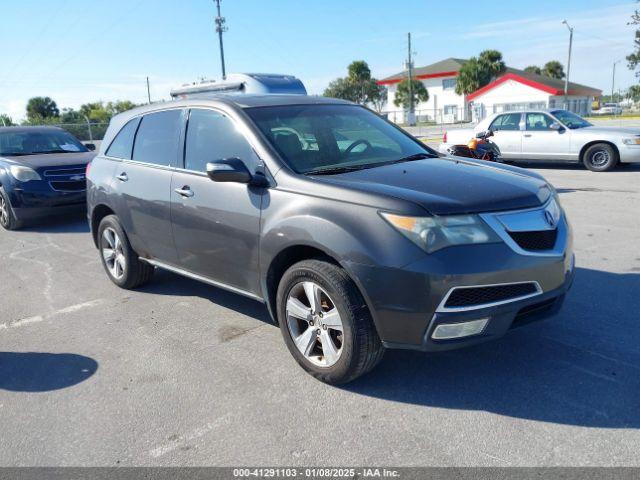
column 97, row 214
column 282, row 261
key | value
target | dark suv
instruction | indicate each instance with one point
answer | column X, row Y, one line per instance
column 355, row 235
column 42, row 173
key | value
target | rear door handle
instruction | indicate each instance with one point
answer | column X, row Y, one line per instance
column 123, row 177
column 184, row 191
column 527, row 135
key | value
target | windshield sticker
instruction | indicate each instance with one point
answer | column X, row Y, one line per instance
column 69, row 147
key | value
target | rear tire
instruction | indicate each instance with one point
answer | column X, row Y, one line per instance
column 341, row 317
column 8, row 218
column 121, row 263
column 600, row 157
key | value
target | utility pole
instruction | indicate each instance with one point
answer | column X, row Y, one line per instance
column 613, row 80
column 566, row 79
column 148, row 91
column 412, row 113
column 220, row 28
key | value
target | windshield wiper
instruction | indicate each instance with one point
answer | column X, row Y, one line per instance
column 410, row 158
column 336, row 170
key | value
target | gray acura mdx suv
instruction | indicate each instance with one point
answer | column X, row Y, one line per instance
column 356, row 236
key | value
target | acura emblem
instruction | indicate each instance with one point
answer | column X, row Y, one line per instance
column 548, row 216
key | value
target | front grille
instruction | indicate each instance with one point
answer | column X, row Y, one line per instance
column 537, row 240
column 474, row 296
column 65, row 172
column 70, row 186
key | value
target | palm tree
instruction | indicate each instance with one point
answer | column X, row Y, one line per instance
column 553, row 69
column 493, row 61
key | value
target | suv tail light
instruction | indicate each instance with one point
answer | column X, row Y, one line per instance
column 444, row 137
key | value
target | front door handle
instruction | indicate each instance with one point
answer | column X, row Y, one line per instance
column 123, row 177
column 527, row 135
column 184, row 191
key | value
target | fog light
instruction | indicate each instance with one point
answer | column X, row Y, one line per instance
column 447, row 331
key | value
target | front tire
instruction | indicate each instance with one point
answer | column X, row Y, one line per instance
column 121, row 263
column 325, row 322
column 8, row 218
column 600, row 157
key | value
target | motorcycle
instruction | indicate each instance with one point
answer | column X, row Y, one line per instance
column 479, row 147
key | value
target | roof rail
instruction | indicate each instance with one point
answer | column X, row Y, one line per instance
column 242, row 83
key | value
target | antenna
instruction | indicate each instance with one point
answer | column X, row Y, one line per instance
column 221, row 28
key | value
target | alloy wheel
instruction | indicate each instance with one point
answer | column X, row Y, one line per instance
column 315, row 324
column 4, row 212
column 113, row 254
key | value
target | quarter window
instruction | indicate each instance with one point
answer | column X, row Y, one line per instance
column 157, row 138
column 122, row 145
column 538, row 121
column 212, row 136
column 508, row 122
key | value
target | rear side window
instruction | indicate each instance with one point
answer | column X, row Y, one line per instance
column 122, row 145
column 538, row 121
column 212, row 136
column 509, row 121
column 157, row 138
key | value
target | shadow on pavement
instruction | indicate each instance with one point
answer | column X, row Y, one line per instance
column 167, row 283
column 581, row 367
column 71, row 223
column 42, row 372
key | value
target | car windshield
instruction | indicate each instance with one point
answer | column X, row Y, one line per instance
column 326, row 139
column 37, row 142
column 570, row 119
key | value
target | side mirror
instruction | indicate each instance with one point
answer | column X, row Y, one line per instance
column 90, row 146
column 228, row 170
column 556, row 126
column 481, row 134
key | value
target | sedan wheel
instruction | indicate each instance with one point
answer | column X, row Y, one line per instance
column 600, row 157
column 113, row 254
column 315, row 324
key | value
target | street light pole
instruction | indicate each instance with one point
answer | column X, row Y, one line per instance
column 566, row 79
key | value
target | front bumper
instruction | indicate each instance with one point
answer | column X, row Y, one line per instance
column 404, row 302
column 629, row 153
column 37, row 199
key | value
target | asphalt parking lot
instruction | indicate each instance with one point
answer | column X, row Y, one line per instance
column 180, row 373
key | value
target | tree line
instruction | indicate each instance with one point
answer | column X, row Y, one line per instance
column 45, row 111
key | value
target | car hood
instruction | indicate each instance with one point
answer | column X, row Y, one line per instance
column 48, row 160
column 445, row 186
column 608, row 130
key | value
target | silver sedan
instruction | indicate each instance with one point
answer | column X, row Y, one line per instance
column 555, row 135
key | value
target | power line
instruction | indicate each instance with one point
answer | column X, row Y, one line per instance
column 95, row 38
column 45, row 28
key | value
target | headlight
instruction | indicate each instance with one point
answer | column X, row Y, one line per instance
column 631, row 141
column 434, row 233
column 23, row 174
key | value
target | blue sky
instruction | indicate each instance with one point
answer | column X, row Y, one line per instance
column 77, row 51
